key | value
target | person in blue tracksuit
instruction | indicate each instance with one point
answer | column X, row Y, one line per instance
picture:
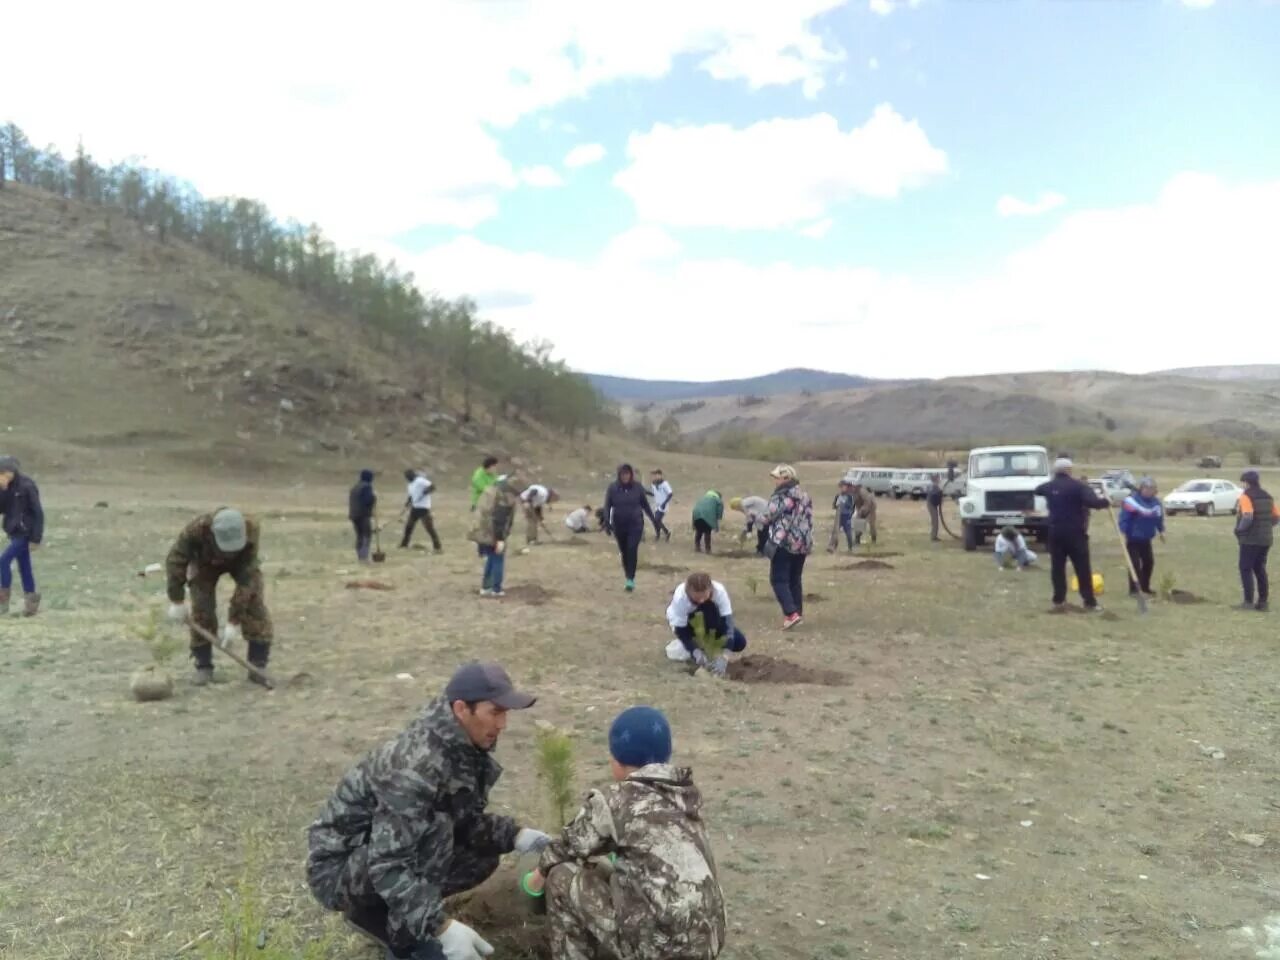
column 1141, row 521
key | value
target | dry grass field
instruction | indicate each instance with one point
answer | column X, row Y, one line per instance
column 985, row 780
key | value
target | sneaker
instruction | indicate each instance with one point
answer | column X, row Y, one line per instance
column 202, row 677
column 630, row 586
column 792, row 621
column 486, row 592
column 1245, row 606
column 496, row 594
column 1059, row 608
column 1262, row 606
column 1096, row 608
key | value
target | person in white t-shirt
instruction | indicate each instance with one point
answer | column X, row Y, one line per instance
column 700, row 596
column 418, row 503
column 662, row 495
column 579, row 521
column 534, row 498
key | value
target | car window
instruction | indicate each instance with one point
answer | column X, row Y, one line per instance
column 1195, row 486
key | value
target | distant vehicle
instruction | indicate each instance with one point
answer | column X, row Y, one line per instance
column 957, row 487
column 877, row 480
column 913, row 483
column 1210, row 463
column 1206, row 498
column 1108, row 488
column 1001, row 492
column 1121, row 478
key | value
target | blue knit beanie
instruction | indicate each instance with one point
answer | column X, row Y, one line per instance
column 640, row 736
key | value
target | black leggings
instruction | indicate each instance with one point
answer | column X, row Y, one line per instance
column 1144, row 562
column 629, row 547
column 701, row 533
column 1073, row 547
column 1253, row 566
column 423, row 515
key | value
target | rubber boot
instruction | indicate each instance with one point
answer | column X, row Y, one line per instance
column 4, row 601
column 30, row 604
column 203, row 656
column 259, row 653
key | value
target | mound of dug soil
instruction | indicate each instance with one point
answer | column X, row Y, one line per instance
column 368, row 585
column 814, row 598
column 867, row 565
column 533, row 594
column 501, row 913
column 663, row 568
column 759, row 668
column 1184, row 597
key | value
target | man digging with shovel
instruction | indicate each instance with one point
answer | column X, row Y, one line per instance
column 223, row 542
column 407, row 826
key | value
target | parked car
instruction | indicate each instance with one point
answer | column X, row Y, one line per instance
column 913, row 484
column 1210, row 463
column 1121, row 478
column 1205, row 498
column 1109, row 488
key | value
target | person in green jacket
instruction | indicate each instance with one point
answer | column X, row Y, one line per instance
column 484, row 478
column 707, row 514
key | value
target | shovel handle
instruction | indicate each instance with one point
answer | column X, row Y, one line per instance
column 213, row 641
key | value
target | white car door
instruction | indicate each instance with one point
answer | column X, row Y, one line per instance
column 1220, row 496
column 1229, row 496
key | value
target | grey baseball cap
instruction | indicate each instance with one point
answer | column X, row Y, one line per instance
column 229, row 530
column 8, row 464
column 486, row 681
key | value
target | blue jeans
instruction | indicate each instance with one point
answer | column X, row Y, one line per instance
column 19, row 550
column 846, row 525
column 786, row 576
column 495, row 565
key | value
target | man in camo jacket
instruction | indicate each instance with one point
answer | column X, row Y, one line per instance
column 407, row 826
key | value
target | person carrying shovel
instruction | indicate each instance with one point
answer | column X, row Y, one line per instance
column 211, row 545
column 361, row 505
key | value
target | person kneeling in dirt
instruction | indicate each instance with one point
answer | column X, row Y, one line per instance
column 632, row 877
column 407, row 826
column 579, row 521
column 1012, row 545
column 222, row 542
column 700, row 596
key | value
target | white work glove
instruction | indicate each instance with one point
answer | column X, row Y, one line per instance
column 720, row 666
column 460, row 942
column 699, row 657
column 177, row 613
column 229, row 634
column 500, row 547
column 529, row 840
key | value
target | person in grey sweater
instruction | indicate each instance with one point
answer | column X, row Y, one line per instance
column 752, row 508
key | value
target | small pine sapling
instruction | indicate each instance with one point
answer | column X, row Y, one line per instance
column 555, row 770
column 162, row 644
column 1167, row 584
column 753, row 584
column 708, row 641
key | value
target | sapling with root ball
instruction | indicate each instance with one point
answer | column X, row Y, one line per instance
column 162, row 644
column 555, row 770
column 708, row 641
column 1167, row 584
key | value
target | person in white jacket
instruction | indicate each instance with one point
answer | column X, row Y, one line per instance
column 418, row 503
column 533, row 499
column 701, row 596
column 579, row 521
column 1012, row 545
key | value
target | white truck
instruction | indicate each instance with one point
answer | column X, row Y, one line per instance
column 1001, row 493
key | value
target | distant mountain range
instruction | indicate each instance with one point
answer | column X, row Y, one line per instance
column 1256, row 371
column 628, row 390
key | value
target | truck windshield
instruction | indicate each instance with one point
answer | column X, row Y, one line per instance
column 1013, row 463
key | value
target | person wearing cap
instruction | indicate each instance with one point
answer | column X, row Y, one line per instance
column 1141, row 521
column 418, row 503
column 789, row 518
column 24, row 526
column 534, row 498
column 707, row 514
column 662, row 493
column 495, row 515
column 1070, row 501
column 1256, row 517
column 633, row 875
column 361, row 504
column 752, row 508
column 407, row 826
column 211, row 545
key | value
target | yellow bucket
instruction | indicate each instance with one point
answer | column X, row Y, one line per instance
column 1098, row 586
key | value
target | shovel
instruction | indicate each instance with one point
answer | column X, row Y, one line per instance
column 266, row 678
column 1128, row 561
column 378, row 555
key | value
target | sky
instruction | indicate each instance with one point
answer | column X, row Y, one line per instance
column 712, row 189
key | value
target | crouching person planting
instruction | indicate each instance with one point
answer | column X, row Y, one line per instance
column 633, row 877
column 701, row 617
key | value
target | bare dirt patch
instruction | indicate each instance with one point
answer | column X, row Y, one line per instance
column 505, row 914
column 533, row 594
column 573, row 542
column 867, row 565
column 814, row 598
column 369, row 585
column 665, row 569
column 761, row 668
column 1185, row 597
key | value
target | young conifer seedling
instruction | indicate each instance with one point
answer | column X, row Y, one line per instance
column 555, row 770
column 708, row 641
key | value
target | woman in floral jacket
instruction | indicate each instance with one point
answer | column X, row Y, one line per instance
column 789, row 519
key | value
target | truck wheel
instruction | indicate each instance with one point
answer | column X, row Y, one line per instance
column 971, row 537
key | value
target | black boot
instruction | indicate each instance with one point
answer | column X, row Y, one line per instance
column 259, row 653
column 203, row 656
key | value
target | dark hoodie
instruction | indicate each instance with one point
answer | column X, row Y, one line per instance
column 362, row 499
column 20, row 504
column 628, row 503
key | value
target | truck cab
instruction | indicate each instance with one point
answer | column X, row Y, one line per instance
column 1001, row 493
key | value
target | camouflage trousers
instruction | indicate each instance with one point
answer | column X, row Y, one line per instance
column 581, row 918
column 532, row 519
column 247, row 609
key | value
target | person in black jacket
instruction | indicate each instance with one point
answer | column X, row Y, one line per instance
column 361, row 503
column 1069, row 504
column 933, row 500
column 625, row 508
column 24, row 525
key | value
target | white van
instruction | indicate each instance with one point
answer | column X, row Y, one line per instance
column 877, row 480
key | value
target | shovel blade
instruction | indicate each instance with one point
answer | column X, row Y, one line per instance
column 379, row 557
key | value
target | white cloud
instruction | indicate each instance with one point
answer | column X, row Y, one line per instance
column 886, row 7
column 541, row 176
column 642, row 244
column 1201, row 252
column 418, row 87
column 873, row 64
column 1011, row 206
column 584, row 154
column 775, row 173
column 819, row 229
column 1198, row 4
